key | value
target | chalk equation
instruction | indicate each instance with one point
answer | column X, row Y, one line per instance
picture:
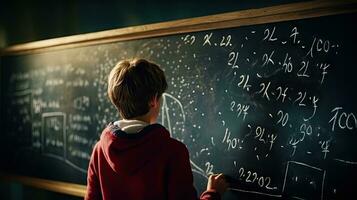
column 279, row 75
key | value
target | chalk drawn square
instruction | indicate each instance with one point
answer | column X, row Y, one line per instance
column 303, row 181
column 54, row 134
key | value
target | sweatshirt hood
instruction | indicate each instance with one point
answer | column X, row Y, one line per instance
column 127, row 153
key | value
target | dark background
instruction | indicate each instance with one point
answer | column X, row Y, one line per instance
column 27, row 21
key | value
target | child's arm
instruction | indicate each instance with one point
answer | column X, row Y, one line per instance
column 179, row 175
column 216, row 186
column 180, row 179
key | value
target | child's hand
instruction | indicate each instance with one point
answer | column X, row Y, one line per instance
column 217, row 182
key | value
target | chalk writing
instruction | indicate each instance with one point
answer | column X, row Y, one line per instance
column 255, row 178
column 343, row 120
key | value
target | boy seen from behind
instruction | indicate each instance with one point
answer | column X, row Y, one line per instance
column 135, row 158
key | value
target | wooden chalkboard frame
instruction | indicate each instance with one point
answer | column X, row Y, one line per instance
column 55, row 186
column 271, row 14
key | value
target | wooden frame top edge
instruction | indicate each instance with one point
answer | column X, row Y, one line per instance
column 187, row 25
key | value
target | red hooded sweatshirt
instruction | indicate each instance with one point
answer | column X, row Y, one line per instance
column 148, row 165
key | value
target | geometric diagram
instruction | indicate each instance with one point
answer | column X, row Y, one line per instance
column 54, row 134
column 166, row 119
column 54, row 137
column 173, row 118
column 303, row 181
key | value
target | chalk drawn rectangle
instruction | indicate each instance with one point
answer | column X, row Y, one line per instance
column 54, row 135
column 303, row 181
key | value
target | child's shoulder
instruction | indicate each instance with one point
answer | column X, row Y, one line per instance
column 173, row 141
column 177, row 146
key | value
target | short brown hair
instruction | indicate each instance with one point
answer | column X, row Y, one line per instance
column 132, row 84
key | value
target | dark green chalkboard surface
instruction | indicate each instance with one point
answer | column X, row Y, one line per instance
column 272, row 105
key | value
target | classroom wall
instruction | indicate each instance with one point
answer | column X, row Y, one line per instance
column 25, row 21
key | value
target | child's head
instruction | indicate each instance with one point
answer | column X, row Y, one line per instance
column 133, row 84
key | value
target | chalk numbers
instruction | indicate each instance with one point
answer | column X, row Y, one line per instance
column 343, row 120
column 306, row 129
column 283, row 118
column 269, row 35
column 189, row 39
column 232, row 59
column 259, row 133
column 254, row 178
column 301, row 98
column 287, row 65
column 209, row 168
column 243, row 83
column 240, row 109
column 226, row 41
column 303, row 69
column 281, row 93
column 231, row 142
column 294, row 34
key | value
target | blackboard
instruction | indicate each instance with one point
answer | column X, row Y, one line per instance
column 271, row 105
